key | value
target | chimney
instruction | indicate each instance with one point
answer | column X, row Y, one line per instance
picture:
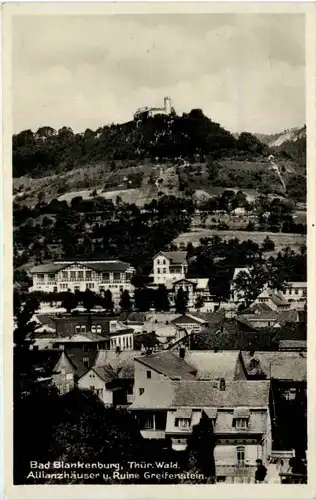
column 117, row 349
column 182, row 353
column 222, row 384
column 149, row 352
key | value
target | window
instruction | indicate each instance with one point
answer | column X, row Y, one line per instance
column 73, row 275
column 117, row 277
column 85, row 362
column 93, row 328
column 149, row 424
column 158, row 261
column 296, row 291
column 290, row 394
column 240, row 455
column 99, row 393
column 40, row 277
column 164, row 270
column 141, row 391
column 158, row 270
column 77, row 328
column 148, row 374
column 68, row 387
column 69, row 376
column 164, row 262
column 106, row 276
column 83, row 328
column 51, row 277
column 241, row 423
column 88, row 275
column 65, row 275
column 80, row 275
column 99, row 329
column 182, row 422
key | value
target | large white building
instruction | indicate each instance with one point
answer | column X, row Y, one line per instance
column 169, row 267
column 78, row 275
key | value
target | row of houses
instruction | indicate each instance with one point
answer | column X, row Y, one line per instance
column 171, row 391
column 169, row 269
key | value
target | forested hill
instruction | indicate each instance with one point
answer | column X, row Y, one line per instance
column 190, row 136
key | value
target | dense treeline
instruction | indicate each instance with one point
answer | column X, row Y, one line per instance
column 165, row 137
column 119, row 231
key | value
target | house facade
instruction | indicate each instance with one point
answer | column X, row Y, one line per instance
column 53, row 367
column 111, row 377
column 96, row 275
column 169, row 267
column 238, row 412
column 194, row 288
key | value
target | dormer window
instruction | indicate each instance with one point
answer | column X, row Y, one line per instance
column 182, row 422
column 241, row 423
column 183, row 418
column 241, row 418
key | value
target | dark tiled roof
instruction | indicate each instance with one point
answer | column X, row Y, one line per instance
column 263, row 316
column 200, row 394
column 48, row 268
column 109, row 266
column 176, row 257
column 260, row 306
column 105, row 373
column 121, row 363
column 45, row 319
column 105, row 266
column 169, row 364
column 278, row 364
column 76, row 357
column 293, row 344
column 44, row 359
column 188, row 319
column 214, row 365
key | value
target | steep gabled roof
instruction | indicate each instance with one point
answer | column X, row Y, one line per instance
column 174, row 257
column 121, row 362
column 44, row 361
column 188, row 318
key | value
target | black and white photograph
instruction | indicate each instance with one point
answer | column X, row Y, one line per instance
column 159, row 228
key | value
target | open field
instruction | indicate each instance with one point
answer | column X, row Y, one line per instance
column 281, row 240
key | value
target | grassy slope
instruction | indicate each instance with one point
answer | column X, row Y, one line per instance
column 81, row 182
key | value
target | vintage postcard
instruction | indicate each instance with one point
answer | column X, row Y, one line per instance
column 159, row 203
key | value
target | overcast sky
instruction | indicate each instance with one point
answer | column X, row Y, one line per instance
column 246, row 72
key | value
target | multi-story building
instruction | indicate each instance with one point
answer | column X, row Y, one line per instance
column 78, row 275
column 169, row 267
column 194, row 288
column 237, row 410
